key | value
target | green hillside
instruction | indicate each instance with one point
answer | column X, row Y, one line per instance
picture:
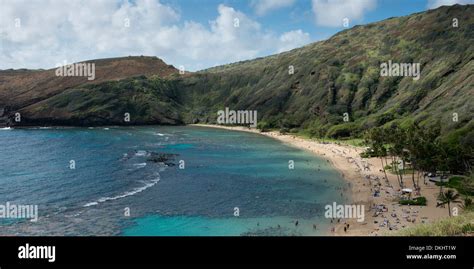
column 342, row 75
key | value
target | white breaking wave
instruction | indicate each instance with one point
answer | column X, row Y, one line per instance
column 139, row 165
column 91, row 204
column 6, row 128
column 126, row 194
column 141, row 153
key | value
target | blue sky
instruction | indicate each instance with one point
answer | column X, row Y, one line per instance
column 298, row 15
column 192, row 34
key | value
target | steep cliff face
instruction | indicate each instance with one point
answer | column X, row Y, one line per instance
column 42, row 97
column 332, row 77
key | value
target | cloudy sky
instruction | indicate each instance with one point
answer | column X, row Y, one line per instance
column 195, row 34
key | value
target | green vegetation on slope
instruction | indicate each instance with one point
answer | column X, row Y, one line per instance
column 146, row 100
column 342, row 75
column 454, row 226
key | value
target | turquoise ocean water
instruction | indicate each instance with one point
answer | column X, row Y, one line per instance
column 115, row 189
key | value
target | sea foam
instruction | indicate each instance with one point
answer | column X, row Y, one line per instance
column 126, row 194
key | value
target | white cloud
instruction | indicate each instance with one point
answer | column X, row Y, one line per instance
column 293, row 39
column 55, row 31
column 332, row 12
column 263, row 6
column 437, row 3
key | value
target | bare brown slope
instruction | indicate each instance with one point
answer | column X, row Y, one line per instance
column 21, row 88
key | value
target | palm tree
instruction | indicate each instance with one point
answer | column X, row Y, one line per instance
column 376, row 139
column 448, row 197
column 412, row 144
column 397, row 140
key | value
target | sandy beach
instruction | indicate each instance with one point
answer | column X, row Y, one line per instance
column 364, row 176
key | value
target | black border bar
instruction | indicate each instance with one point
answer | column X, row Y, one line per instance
column 240, row 250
